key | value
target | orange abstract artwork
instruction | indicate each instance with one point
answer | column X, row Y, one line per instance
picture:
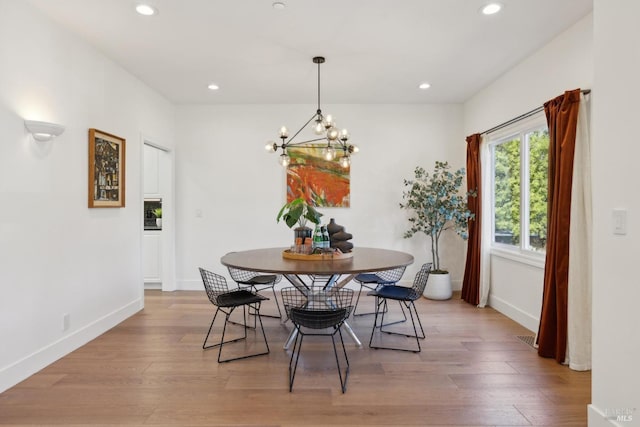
column 319, row 181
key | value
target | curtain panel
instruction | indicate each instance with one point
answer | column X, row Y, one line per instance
column 562, row 119
column 578, row 355
column 485, row 225
column 472, row 270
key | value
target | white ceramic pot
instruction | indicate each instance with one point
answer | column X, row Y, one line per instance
column 438, row 287
column 159, row 222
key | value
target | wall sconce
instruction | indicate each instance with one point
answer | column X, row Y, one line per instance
column 43, row 131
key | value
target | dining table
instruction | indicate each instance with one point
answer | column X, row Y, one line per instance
column 335, row 271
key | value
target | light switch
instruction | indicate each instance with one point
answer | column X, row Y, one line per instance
column 620, row 221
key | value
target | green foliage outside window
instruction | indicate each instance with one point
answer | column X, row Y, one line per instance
column 507, row 192
column 538, row 187
column 508, row 188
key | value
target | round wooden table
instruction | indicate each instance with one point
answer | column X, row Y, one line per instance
column 364, row 260
column 271, row 261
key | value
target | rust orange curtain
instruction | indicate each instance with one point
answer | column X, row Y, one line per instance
column 562, row 119
column 471, row 281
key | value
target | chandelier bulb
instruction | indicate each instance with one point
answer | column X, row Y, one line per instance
column 329, row 153
column 345, row 161
column 271, row 147
column 329, row 121
column 332, row 134
column 344, row 135
column 318, row 128
column 353, row 149
column 284, row 160
column 284, row 132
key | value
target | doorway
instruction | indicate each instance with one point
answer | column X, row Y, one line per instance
column 158, row 263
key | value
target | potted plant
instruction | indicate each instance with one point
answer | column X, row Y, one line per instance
column 437, row 205
column 157, row 212
column 298, row 211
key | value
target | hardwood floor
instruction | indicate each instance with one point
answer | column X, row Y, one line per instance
column 151, row 370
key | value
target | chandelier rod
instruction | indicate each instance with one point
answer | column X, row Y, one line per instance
column 300, row 130
column 318, row 60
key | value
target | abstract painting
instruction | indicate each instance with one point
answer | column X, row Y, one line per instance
column 321, row 182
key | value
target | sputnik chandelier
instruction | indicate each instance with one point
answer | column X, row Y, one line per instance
column 336, row 147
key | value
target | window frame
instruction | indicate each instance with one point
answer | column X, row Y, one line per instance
column 521, row 130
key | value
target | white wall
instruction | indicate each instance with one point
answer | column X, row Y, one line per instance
column 616, row 290
column 224, row 172
column 56, row 255
column 565, row 63
column 516, row 288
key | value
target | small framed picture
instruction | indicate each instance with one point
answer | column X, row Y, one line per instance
column 106, row 170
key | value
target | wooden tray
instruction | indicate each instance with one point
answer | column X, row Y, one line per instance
column 316, row 257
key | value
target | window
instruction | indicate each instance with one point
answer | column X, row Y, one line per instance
column 519, row 161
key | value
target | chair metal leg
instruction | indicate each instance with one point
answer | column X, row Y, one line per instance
column 204, row 344
column 245, row 327
column 275, row 297
column 409, row 306
column 343, row 382
column 256, row 290
column 244, row 313
column 259, row 317
column 297, row 349
column 297, row 346
column 386, row 310
column 355, row 306
column 415, row 310
column 264, row 336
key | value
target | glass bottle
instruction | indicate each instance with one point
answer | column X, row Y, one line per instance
column 325, row 237
column 317, row 237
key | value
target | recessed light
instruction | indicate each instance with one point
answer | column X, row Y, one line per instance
column 424, row 86
column 146, row 10
column 278, row 5
column 491, row 8
column 213, row 86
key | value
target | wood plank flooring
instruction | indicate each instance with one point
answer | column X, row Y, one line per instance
column 151, row 370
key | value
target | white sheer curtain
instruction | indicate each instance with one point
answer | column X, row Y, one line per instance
column 578, row 355
column 485, row 226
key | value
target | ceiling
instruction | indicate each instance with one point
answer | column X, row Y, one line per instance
column 377, row 51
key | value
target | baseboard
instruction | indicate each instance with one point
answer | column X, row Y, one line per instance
column 29, row 365
column 514, row 313
column 621, row 418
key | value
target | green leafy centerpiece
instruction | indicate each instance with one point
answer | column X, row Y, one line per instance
column 298, row 211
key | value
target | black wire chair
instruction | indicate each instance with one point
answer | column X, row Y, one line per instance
column 227, row 301
column 313, row 313
column 257, row 282
column 372, row 281
column 405, row 296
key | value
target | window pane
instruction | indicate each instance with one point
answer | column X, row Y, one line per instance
column 538, row 169
column 506, row 160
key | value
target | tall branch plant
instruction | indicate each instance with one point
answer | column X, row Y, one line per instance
column 436, row 204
